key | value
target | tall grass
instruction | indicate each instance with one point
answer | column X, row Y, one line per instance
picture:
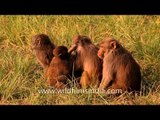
column 21, row 76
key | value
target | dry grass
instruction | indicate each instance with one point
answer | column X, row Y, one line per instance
column 21, row 76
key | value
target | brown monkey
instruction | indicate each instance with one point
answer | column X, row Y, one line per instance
column 120, row 70
column 43, row 49
column 59, row 69
column 87, row 61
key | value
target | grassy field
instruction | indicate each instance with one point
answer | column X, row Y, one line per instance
column 21, row 76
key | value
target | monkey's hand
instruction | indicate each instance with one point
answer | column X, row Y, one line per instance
column 62, row 78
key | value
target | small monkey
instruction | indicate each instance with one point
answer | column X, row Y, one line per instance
column 59, row 69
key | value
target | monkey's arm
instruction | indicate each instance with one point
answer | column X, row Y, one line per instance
column 106, row 80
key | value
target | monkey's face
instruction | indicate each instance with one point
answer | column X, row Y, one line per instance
column 103, row 47
column 35, row 42
column 79, row 40
column 40, row 40
column 101, row 52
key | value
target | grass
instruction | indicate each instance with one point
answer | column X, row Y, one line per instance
column 21, row 76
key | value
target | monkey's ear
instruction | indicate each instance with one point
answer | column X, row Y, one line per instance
column 113, row 44
column 59, row 54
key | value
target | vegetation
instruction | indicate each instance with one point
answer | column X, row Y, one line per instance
column 21, row 76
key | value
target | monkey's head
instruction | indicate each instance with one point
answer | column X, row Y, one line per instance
column 79, row 40
column 108, row 45
column 40, row 40
column 61, row 51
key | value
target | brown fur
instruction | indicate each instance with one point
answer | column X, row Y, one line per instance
column 86, row 60
column 85, row 80
column 43, row 49
column 120, row 70
column 59, row 68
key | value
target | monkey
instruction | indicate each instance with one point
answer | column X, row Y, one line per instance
column 120, row 70
column 59, row 69
column 86, row 61
column 43, row 49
